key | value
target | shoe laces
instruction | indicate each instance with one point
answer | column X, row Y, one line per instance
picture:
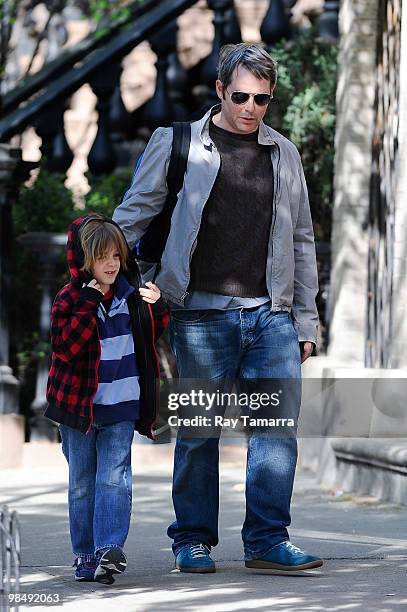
column 293, row 548
column 199, row 550
column 79, row 562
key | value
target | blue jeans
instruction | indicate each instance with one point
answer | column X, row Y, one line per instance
column 235, row 344
column 99, row 494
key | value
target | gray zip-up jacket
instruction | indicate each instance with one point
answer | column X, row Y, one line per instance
column 291, row 272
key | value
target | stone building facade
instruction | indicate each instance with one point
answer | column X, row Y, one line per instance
column 367, row 356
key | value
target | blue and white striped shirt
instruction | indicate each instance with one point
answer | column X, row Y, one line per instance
column 118, row 393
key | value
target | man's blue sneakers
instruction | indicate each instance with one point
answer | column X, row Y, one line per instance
column 85, row 570
column 194, row 558
column 285, row 557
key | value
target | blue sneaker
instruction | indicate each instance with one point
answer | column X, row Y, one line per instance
column 285, row 557
column 84, row 570
column 112, row 561
column 195, row 559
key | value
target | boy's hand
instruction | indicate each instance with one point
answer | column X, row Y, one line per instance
column 150, row 295
column 94, row 285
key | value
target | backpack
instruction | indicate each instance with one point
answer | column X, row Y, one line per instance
column 150, row 247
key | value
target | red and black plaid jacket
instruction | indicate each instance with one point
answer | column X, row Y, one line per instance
column 73, row 377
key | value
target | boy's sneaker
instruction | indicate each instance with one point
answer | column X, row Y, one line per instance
column 113, row 561
column 195, row 559
column 287, row 558
column 85, row 570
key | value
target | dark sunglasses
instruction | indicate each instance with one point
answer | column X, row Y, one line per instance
column 241, row 97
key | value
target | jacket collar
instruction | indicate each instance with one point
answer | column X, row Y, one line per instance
column 122, row 287
column 267, row 136
column 121, row 291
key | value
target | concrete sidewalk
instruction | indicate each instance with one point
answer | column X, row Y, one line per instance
column 364, row 543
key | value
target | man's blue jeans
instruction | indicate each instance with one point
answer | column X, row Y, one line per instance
column 235, row 344
column 99, row 494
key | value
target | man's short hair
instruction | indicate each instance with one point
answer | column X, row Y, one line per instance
column 252, row 57
column 97, row 237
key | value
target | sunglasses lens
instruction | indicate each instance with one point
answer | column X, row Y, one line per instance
column 239, row 97
column 262, row 99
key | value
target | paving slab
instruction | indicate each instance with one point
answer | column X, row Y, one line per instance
column 363, row 542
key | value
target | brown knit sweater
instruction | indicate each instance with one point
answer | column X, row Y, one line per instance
column 231, row 252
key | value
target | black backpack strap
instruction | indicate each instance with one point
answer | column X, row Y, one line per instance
column 179, row 157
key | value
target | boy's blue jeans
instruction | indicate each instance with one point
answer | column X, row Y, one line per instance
column 236, row 344
column 99, row 494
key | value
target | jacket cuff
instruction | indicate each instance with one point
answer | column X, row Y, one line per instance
column 89, row 294
column 306, row 333
column 159, row 306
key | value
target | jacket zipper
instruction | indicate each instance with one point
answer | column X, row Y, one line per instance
column 143, row 343
column 146, row 363
column 193, row 247
column 274, row 222
column 96, row 380
column 191, row 252
column 156, row 373
column 157, row 361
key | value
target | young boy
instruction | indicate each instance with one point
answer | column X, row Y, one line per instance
column 101, row 386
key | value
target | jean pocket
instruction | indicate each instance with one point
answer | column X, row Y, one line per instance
column 281, row 319
column 188, row 316
column 281, row 315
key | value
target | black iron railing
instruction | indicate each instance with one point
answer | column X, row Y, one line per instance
column 110, row 53
column 9, row 552
column 67, row 59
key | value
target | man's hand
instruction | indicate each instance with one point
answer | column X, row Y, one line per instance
column 306, row 349
column 150, row 295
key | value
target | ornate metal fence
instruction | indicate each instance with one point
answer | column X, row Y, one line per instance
column 9, row 551
column 383, row 187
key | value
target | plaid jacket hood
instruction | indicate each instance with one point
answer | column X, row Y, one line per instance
column 73, row 376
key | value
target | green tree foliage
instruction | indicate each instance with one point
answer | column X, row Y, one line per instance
column 303, row 109
column 44, row 205
column 100, row 10
column 106, row 193
column 8, row 14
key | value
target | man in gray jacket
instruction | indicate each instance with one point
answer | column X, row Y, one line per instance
column 239, row 273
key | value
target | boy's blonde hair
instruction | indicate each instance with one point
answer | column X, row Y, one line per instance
column 97, row 236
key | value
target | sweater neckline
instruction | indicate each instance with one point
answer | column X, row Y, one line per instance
column 108, row 295
column 233, row 136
